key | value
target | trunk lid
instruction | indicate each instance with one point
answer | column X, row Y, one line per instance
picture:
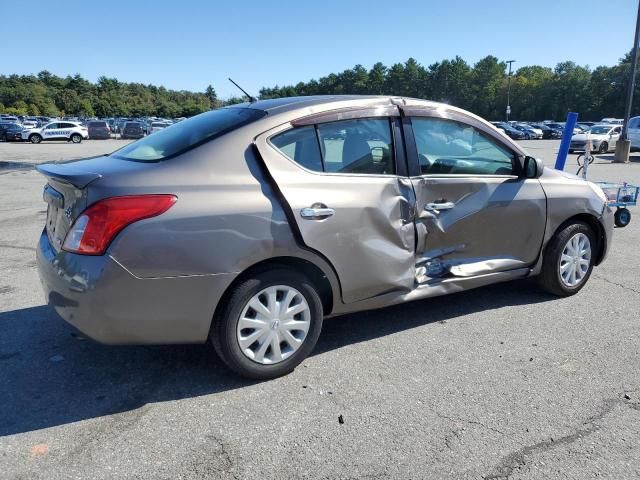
column 67, row 190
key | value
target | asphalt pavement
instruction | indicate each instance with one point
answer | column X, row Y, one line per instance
column 498, row 382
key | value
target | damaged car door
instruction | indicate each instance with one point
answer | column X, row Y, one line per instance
column 338, row 174
column 475, row 212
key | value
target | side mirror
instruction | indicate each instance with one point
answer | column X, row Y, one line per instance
column 533, row 167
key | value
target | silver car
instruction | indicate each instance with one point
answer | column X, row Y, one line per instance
column 246, row 226
column 603, row 139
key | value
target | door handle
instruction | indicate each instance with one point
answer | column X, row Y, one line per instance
column 316, row 213
column 436, row 207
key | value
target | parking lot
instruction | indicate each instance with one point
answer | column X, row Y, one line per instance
column 498, row 382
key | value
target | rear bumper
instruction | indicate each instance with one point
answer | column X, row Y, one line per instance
column 103, row 300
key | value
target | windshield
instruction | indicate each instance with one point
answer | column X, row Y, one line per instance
column 180, row 137
column 599, row 130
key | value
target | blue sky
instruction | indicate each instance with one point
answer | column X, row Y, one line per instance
column 187, row 44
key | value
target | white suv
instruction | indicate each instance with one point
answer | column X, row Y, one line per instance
column 68, row 131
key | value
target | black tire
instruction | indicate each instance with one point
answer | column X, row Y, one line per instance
column 35, row 138
column 603, row 148
column 549, row 278
column 223, row 328
column 76, row 138
column 622, row 217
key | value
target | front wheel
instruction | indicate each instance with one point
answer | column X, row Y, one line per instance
column 604, row 147
column 568, row 260
column 269, row 324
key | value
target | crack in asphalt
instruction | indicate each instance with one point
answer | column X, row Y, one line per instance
column 17, row 247
column 213, row 466
column 517, row 459
column 471, row 422
column 630, row 289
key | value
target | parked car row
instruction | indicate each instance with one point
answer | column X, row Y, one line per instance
column 11, row 130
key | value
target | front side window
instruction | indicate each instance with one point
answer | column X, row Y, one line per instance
column 358, row 146
column 450, row 147
column 190, row 133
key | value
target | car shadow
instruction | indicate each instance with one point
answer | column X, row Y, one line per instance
column 51, row 376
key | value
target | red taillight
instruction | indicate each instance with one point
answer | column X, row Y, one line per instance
column 93, row 231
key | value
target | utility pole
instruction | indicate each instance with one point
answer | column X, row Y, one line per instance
column 509, row 89
column 623, row 145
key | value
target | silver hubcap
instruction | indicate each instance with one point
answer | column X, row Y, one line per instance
column 273, row 324
column 575, row 260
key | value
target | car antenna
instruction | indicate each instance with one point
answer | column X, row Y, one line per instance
column 251, row 99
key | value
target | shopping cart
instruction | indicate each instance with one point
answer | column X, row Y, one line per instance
column 620, row 195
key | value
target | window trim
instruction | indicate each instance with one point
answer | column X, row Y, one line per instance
column 293, row 124
column 457, row 117
column 347, row 114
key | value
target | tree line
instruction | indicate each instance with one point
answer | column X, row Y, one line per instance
column 50, row 95
column 536, row 92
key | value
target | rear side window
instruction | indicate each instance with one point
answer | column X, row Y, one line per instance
column 449, row 147
column 188, row 134
column 301, row 145
column 360, row 146
column 357, row 146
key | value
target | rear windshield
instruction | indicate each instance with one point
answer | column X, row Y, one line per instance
column 97, row 124
column 190, row 133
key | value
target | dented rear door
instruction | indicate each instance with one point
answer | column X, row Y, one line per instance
column 361, row 222
column 475, row 214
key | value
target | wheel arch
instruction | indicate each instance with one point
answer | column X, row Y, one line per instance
column 309, row 269
column 598, row 230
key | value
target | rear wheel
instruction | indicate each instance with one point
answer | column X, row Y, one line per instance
column 35, row 138
column 76, row 138
column 568, row 260
column 269, row 325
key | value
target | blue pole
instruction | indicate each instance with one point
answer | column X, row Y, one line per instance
column 572, row 118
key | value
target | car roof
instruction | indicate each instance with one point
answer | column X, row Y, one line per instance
column 284, row 104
